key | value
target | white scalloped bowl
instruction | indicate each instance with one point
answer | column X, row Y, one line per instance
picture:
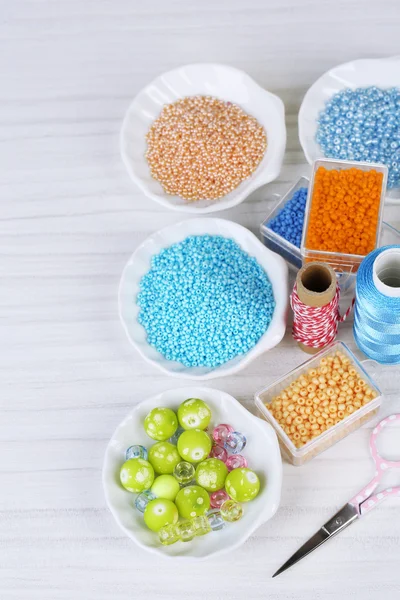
column 139, row 263
column 381, row 72
column 261, row 451
column 225, row 83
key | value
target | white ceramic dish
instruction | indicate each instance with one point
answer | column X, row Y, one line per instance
column 139, row 263
column 382, row 72
column 216, row 80
column 262, row 453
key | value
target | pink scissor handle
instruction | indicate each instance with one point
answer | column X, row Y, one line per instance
column 365, row 499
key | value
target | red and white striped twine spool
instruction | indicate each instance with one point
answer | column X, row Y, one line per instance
column 316, row 326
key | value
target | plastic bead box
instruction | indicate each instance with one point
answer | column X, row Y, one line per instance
column 299, row 456
column 345, row 261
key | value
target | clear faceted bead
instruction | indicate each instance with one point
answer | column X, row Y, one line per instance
column 220, row 433
column 236, row 461
column 136, row 451
column 235, row 442
column 218, row 498
column 231, row 511
column 143, row 499
column 215, row 519
column 201, row 525
column 186, row 530
column 168, row 534
column 184, row 472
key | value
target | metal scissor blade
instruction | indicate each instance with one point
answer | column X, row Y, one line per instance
column 342, row 519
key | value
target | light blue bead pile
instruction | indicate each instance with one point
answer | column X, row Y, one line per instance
column 363, row 125
column 204, row 301
column 288, row 223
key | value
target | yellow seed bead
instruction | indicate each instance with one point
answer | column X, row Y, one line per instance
column 297, row 420
column 303, row 431
column 350, row 409
column 357, row 403
column 311, row 387
column 302, row 410
column 290, row 394
column 312, row 419
column 305, row 439
column 332, row 409
column 289, row 420
column 278, row 415
column 320, row 421
column 341, row 406
column 285, row 414
column 308, row 410
column 290, row 407
column 325, row 402
column 292, row 429
column 303, row 393
column 301, row 401
column 359, row 396
column 329, row 422
column 312, row 372
column 296, row 436
column 317, row 413
column 284, row 396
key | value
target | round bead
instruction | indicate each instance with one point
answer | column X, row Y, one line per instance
column 235, row 442
column 242, row 484
column 136, row 451
column 236, row 461
column 231, row 511
column 218, row 498
column 184, row 472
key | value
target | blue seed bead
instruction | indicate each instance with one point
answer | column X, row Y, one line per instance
column 235, row 442
column 215, row 519
column 136, row 452
column 369, row 124
column 143, row 499
column 204, row 301
column 288, row 223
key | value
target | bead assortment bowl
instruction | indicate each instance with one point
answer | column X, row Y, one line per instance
column 274, row 266
column 262, row 453
column 220, row 81
column 383, row 73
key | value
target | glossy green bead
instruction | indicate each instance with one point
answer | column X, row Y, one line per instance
column 194, row 445
column 161, row 423
column 211, row 474
column 136, row 475
column 160, row 512
column 165, row 486
column 242, row 484
column 194, row 413
column 192, row 501
column 164, row 457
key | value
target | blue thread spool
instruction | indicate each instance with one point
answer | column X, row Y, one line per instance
column 377, row 310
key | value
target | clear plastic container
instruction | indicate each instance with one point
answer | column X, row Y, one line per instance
column 299, row 456
column 276, row 242
column 347, row 263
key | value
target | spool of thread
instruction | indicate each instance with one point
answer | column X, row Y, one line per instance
column 377, row 312
column 315, row 304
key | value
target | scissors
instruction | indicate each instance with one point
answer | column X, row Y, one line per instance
column 358, row 506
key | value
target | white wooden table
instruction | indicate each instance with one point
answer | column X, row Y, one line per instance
column 69, row 219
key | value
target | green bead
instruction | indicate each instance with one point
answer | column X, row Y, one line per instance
column 136, row 475
column 242, row 484
column 164, row 457
column 194, row 445
column 194, row 413
column 165, row 486
column 192, row 501
column 201, row 525
column 160, row 512
column 211, row 474
column 161, row 423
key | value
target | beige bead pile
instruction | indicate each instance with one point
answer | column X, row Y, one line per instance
column 320, row 398
column 202, row 148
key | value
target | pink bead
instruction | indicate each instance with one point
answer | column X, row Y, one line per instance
column 218, row 498
column 219, row 452
column 236, row 461
column 221, row 432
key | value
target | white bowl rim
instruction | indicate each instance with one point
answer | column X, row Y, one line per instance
column 263, row 177
column 392, row 196
column 257, row 350
column 189, row 391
